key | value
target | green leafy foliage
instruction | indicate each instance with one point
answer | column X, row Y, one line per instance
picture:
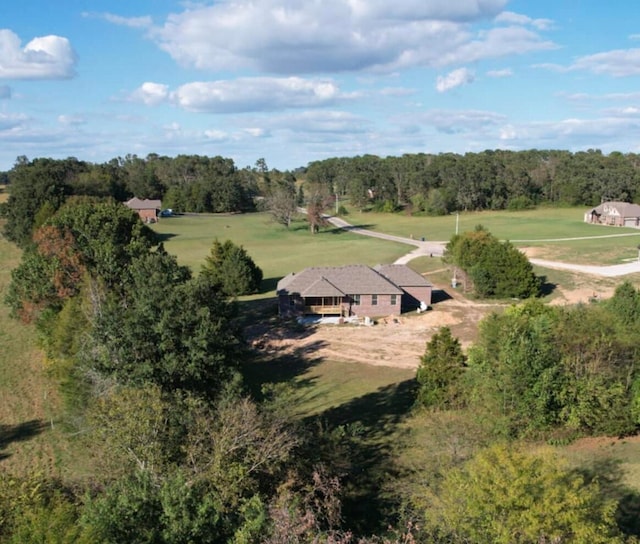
column 38, row 188
column 184, row 470
column 230, row 269
column 439, row 372
column 496, row 269
column 625, row 304
column 503, row 496
column 166, row 329
column 536, row 368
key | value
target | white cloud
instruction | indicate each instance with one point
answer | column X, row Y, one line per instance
column 151, row 94
column 5, row 92
column 131, row 22
column 617, row 63
column 256, row 132
column 625, row 111
column 496, row 43
column 397, row 91
column 328, row 122
column 286, row 37
column 217, row 135
column 505, row 72
column 72, row 119
column 461, row 121
column 46, row 57
column 255, row 94
column 244, row 94
column 509, row 17
column 10, row 121
column 461, row 76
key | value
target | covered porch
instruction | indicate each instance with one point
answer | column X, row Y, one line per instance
column 327, row 305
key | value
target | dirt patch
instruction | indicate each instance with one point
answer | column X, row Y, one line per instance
column 393, row 341
column 398, row 341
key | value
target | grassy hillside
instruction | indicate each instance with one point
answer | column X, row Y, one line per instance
column 30, row 438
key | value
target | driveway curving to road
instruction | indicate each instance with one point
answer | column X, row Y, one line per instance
column 436, row 249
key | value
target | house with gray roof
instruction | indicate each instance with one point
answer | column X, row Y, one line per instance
column 353, row 290
column 147, row 209
column 619, row 214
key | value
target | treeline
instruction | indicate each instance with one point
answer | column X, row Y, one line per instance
column 418, row 183
column 443, row 183
column 186, row 183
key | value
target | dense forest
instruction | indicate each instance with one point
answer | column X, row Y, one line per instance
column 151, row 362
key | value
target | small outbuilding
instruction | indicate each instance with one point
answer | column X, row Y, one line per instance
column 147, row 209
column 617, row 214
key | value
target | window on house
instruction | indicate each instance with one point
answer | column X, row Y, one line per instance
column 355, row 299
column 394, row 299
column 374, row 300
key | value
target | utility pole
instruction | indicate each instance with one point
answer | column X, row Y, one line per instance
column 457, row 221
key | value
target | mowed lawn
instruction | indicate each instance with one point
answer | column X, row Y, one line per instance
column 274, row 248
column 548, row 229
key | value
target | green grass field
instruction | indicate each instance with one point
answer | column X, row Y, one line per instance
column 545, row 228
column 30, row 439
column 275, row 249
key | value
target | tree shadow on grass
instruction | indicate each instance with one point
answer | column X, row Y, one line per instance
column 19, row 433
column 163, row 237
column 276, row 363
column 342, row 230
column 609, row 475
column 370, row 428
column 546, row 287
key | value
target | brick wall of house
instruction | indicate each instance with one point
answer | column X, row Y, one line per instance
column 148, row 216
column 415, row 295
column 366, row 308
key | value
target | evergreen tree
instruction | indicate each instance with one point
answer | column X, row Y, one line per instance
column 439, row 371
column 230, row 269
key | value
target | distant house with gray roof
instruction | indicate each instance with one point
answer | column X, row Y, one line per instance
column 147, row 209
column 618, row 214
column 353, row 290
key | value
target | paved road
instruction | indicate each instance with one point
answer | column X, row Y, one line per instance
column 437, row 249
column 605, row 271
column 434, row 249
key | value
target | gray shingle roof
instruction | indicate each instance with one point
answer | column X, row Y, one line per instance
column 402, row 275
column 625, row 209
column 357, row 279
column 146, row 204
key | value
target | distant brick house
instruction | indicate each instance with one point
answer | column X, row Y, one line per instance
column 148, row 210
column 353, row 290
column 618, row 214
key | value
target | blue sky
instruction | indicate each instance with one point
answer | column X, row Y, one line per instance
column 297, row 81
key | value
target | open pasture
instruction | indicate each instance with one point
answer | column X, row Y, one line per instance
column 557, row 233
column 274, row 248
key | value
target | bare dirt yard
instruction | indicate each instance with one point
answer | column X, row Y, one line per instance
column 393, row 341
column 398, row 341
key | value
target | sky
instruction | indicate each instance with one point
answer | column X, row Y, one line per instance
column 294, row 81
